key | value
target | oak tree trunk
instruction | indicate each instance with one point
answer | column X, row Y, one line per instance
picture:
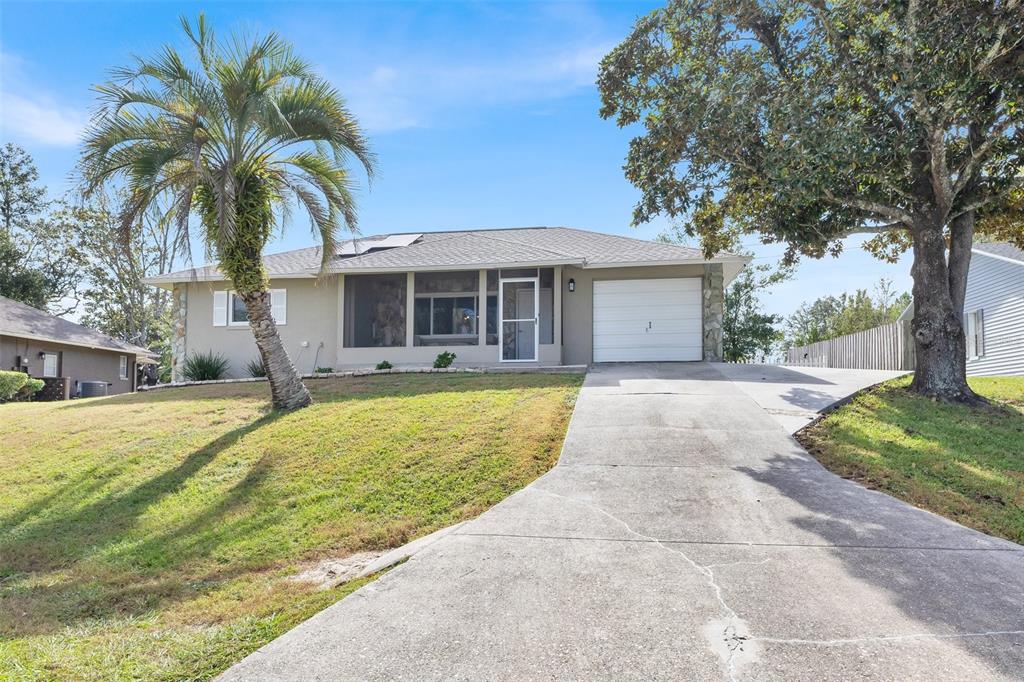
column 286, row 388
column 939, row 339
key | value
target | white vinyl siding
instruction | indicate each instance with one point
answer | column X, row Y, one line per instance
column 995, row 288
column 49, row 364
column 647, row 320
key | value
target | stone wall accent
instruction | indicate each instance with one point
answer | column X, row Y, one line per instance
column 713, row 311
column 179, row 312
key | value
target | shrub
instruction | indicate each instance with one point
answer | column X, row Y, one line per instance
column 205, row 367
column 11, row 383
column 325, row 370
column 444, row 359
column 256, row 368
column 31, row 387
column 384, row 364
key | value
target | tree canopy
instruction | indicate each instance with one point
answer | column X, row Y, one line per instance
column 806, row 121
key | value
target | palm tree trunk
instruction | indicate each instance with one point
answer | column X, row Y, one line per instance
column 286, row 388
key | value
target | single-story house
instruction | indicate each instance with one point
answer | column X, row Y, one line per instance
column 993, row 310
column 70, row 358
column 537, row 296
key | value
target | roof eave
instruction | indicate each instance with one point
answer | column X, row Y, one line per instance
column 1007, row 259
column 455, row 267
column 168, row 282
column 76, row 344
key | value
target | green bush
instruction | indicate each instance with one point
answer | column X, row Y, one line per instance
column 324, row 370
column 31, row 387
column 205, row 367
column 256, row 368
column 11, row 383
column 384, row 364
column 444, row 359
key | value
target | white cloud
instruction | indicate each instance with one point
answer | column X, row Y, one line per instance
column 419, row 93
column 32, row 115
column 39, row 119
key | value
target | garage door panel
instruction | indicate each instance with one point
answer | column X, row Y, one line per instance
column 648, row 285
column 645, row 313
column 657, row 354
column 648, row 342
column 633, row 328
column 647, row 320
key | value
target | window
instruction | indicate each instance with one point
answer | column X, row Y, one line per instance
column 122, row 366
column 49, row 364
column 445, row 316
column 375, row 311
column 237, row 314
column 975, row 330
column 229, row 308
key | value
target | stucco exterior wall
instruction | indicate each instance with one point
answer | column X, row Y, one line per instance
column 578, row 305
column 315, row 315
column 77, row 363
column 312, row 319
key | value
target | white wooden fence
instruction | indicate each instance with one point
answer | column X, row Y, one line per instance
column 887, row 347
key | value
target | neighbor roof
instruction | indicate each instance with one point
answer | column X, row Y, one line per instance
column 1000, row 250
column 516, row 247
column 26, row 322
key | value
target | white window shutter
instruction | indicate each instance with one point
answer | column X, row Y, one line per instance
column 980, row 324
column 220, row 308
column 279, row 305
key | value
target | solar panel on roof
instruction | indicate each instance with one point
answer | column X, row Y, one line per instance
column 359, row 245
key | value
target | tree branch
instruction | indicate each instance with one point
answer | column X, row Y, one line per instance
column 843, row 53
column 891, row 212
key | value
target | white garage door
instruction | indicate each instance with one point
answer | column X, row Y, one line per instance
column 647, row 319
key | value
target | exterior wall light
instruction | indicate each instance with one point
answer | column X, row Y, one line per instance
column 572, row 284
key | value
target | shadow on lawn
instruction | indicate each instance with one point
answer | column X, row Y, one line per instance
column 58, row 532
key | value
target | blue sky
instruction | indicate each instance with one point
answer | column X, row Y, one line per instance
column 481, row 114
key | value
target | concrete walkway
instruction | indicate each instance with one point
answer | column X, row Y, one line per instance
column 683, row 535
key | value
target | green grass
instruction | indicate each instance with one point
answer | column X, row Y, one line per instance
column 964, row 463
column 152, row 536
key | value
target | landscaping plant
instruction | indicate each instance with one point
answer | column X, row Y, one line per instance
column 205, row 366
column 383, row 364
column 444, row 359
column 256, row 368
column 235, row 134
column 10, row 383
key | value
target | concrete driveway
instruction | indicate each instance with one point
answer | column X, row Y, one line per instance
column 683, row 535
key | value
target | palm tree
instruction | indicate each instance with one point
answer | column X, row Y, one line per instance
column 236, row 137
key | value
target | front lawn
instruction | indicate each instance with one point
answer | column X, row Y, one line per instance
column 966, row 464
column 152, row 536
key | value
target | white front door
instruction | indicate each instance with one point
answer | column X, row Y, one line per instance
column 518, row 323
column 647, row 320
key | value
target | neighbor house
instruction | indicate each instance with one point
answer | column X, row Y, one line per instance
column 71, row 359
column 535, row 296
column 993, row 310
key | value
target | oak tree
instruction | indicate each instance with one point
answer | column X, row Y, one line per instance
column 807, row 121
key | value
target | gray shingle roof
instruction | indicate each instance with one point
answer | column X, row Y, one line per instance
column 1004, row 249
column 20, row 320
column 533, row 246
